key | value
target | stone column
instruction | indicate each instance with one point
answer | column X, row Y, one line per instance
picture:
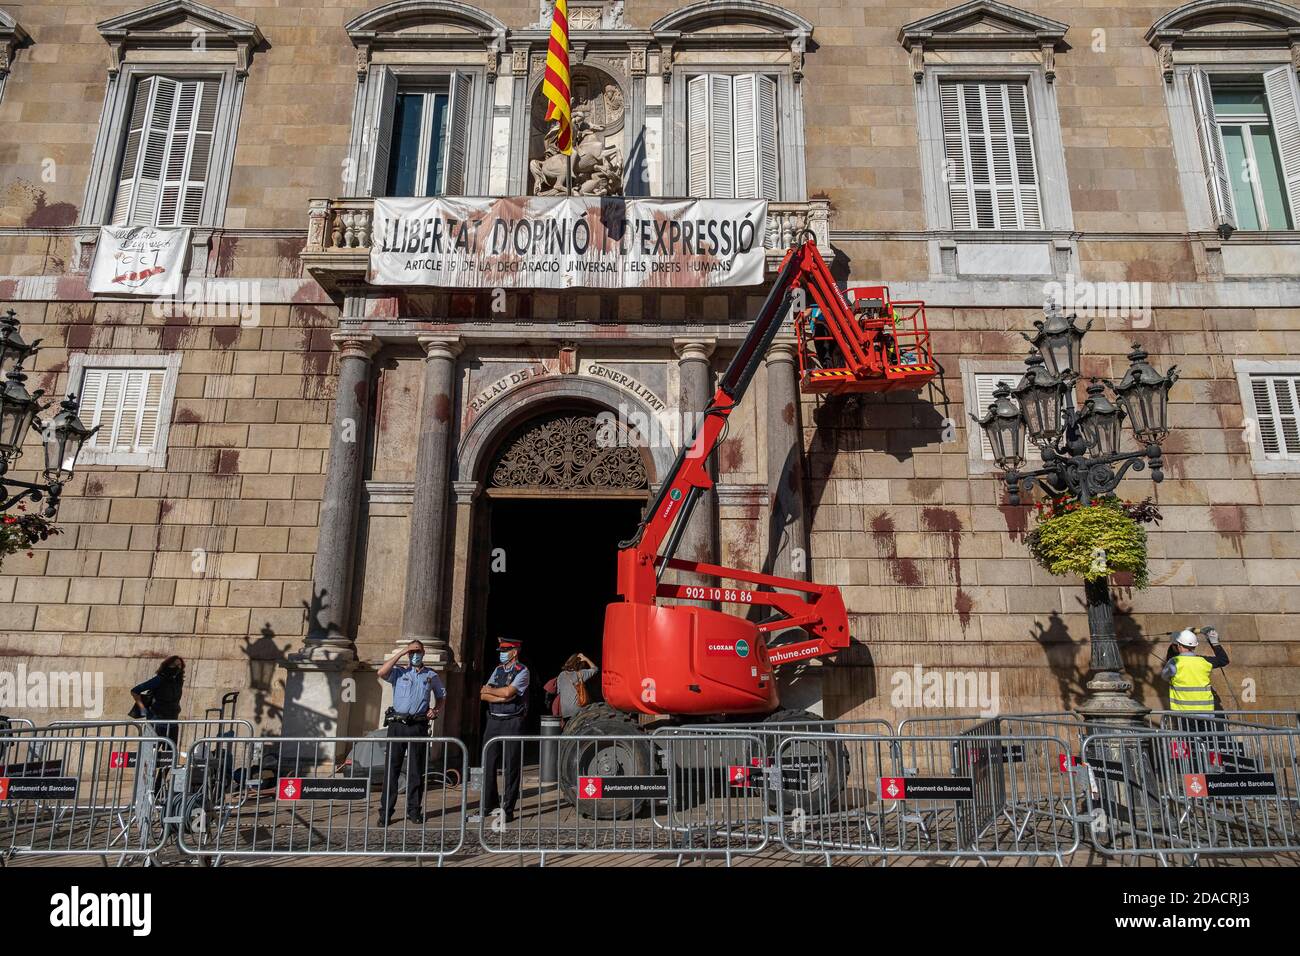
column 700, row 541
column 424, row 603
column 800, row 685
column 787, row 527
column 314, row 702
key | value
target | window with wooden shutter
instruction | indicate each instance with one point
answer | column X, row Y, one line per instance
column 126, row 404
column 732, row 136
column 421, row 135
column 129, row 398
column 166, row 159
column 990, row 166
column 1277, row 411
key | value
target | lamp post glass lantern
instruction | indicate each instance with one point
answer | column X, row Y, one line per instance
column 1083, row 460
column 19, row 411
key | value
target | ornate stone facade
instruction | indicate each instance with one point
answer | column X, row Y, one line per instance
column 333, row 459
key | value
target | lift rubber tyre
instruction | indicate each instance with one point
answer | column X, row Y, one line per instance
column 826, row 765
column 593, row 758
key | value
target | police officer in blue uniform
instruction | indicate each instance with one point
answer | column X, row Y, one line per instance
column 506, row 694
column 417, row 696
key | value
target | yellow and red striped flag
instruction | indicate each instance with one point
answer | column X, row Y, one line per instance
column 555, row 84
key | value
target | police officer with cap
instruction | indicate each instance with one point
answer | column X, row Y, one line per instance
column 506, row 694
column 417, row 695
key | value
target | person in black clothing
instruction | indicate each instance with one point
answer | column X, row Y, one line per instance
column 159, row 698
column 506, row 694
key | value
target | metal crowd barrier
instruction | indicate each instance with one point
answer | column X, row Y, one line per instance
column 681, row 794
column 64, row 794
column 972, row 795
column 1184, row 794
column 288, row 796
column 1259, row 719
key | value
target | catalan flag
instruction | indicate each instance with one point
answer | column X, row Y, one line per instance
column 555, row 83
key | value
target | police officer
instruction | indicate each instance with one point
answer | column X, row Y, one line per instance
column 506, row 694
column 417, row 696
column 1188, row 672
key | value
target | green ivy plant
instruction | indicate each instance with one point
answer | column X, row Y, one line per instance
column 1094, row 541
column 20, row 531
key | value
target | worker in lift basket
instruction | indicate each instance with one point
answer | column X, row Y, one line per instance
column 506, row 694
column 1188, row 673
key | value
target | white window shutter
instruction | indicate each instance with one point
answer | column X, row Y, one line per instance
column 92, row 399
column 457, row 134
column 956, row 163
column 196, row 176
column 1024, row 168
column 746, row 136
column 697, row 135
column 1277, row 413
column 381, row 130
column 1284, row 110
column 109, row 390
column 722, row 157
column 148, row 183
column 767, row 122
column 1217, row 179
column 132, row 152
column 151, row 394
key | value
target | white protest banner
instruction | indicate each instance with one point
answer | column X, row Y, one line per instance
column 565, row 243
column 139, row 260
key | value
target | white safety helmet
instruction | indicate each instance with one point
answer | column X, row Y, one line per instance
column 1187, row 639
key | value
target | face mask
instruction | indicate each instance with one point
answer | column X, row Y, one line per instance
column 417, row 660
column 504, row 656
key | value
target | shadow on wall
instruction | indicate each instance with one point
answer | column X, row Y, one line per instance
column 263, row 655
column 1141, row 657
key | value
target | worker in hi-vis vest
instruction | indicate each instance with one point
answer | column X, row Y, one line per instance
column 1188, row 672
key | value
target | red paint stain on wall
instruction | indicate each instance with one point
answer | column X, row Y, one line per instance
column 225, row 335
column 946, row 522
column 731, row 455
column 903, row 570
column 442, row 408
column 227, row 462
column 1230, row 522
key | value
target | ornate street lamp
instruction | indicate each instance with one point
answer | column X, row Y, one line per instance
column 1100, row 422
column 19, row 409
column 13, row 350
column 1039, row 395
column 1004, row 428
column 1058, row 340
column 1144, row 394
column 1082, row 458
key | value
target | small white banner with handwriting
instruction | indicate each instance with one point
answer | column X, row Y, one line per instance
column 139, row 260
column 523, row 242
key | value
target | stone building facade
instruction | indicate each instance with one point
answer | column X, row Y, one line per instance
column 337, row 467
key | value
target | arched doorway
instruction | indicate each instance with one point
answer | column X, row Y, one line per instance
column 561, row 490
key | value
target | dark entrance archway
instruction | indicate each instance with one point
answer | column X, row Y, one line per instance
column 560, row 496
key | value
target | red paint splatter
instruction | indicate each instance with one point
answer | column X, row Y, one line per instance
column 945, row 522
column 225, row 264
column 225, row 335
column 903, row 570
column 45, row 214
column 731, row 455
column 94, row 488
column 1230, row 522
column 227, row 462
column 164, row 509
column 787, row 413
column 187, row 416
column 442, row 408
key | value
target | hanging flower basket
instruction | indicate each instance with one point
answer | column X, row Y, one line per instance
column 18, row 532
column 1093, row 541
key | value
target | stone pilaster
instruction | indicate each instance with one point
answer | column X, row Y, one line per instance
column 422, row 611
column 788, row 526
column 315, row 702
column 695, row 374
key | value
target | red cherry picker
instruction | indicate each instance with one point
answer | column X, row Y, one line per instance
column 694, row 662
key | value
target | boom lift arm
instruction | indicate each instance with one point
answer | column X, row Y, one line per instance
column 692, row 660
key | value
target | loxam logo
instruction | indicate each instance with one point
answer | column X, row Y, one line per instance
column 77, row 910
